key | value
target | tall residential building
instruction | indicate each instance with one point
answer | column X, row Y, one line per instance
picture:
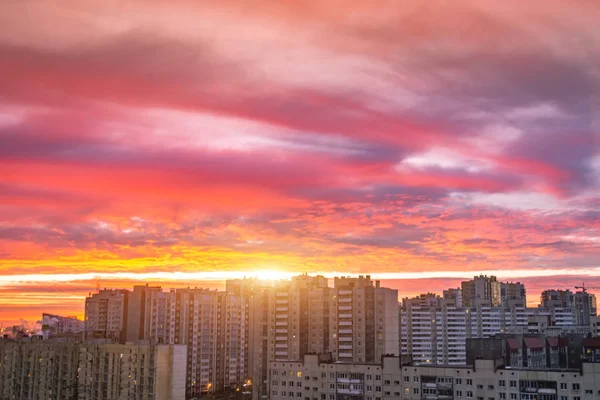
column 454, row 295
column 434, row 329
column 556, row 298
column 355, row 320
column 585, row 307
column 136, row 371
column 105, row 314
column 513, row 293
column 31, row 368
column 150, row 315
column 286, row 321
column 364, row 323
column 481, row 290
column 582, row 305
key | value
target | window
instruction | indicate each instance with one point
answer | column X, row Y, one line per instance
column 502, row 383
column 490, row 387
column 377, row 377
column 469, row 394
column 589, row 392
column 564, row 398
column 513, row 396
column 386, row 382
column 458, row 381
column 563, row 386
column 369, row 388
column 469, row 382
column 331, row 386
column 576, row 387
column 502, row 395
column 415, row 379
column 323, row 375
column 479, row 386
column 396, row 382
column 458, row 393
column 416, row 391
column 369, row 377
column 406, row 379
column 513, row 383
column 378, row 388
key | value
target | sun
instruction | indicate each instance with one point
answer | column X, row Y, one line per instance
column 271, row 274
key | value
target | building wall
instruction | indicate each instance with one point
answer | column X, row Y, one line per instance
column 36, row 369
column 314, row 380
column 132, row 371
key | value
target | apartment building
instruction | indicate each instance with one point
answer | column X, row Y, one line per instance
column 434, row 329
column 150, row 315
column 355, row 320
column 136, row 371
column 105, row 314
column 364, row 321
column 316, row 378
column 35, row 369
column 481, row 290
column 57, row 325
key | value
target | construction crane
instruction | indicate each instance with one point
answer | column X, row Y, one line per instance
column 585, row 288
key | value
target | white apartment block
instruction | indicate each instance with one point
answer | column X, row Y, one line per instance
column 437, row 333
column 315, row 379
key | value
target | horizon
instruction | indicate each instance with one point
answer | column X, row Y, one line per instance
column 219, row 284
column 190, row 141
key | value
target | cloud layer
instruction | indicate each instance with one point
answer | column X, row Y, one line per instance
column 195, row 136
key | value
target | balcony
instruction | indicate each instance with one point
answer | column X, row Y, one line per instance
column 345, row 347
column 345, row 316
column 350, row 391
column 345, row 323
column 343, row 331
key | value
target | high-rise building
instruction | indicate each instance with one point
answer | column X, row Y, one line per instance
column 556, row 298
column 286, row 321
column 578, row 307
column 364, row 320
column 513, row 293
column 481, row 290
column 136, row 371
column 105, row 314
column 150, row 315
column 355, row 320
column 454, row 295
column 57, row 369
column 31, row 368
column 585, row 307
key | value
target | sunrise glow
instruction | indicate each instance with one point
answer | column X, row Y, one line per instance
column 186, row 143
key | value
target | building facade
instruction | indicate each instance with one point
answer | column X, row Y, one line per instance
column 318, row 379
column 105, row 314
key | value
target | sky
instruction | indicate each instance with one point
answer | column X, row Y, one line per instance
column 186, row 142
